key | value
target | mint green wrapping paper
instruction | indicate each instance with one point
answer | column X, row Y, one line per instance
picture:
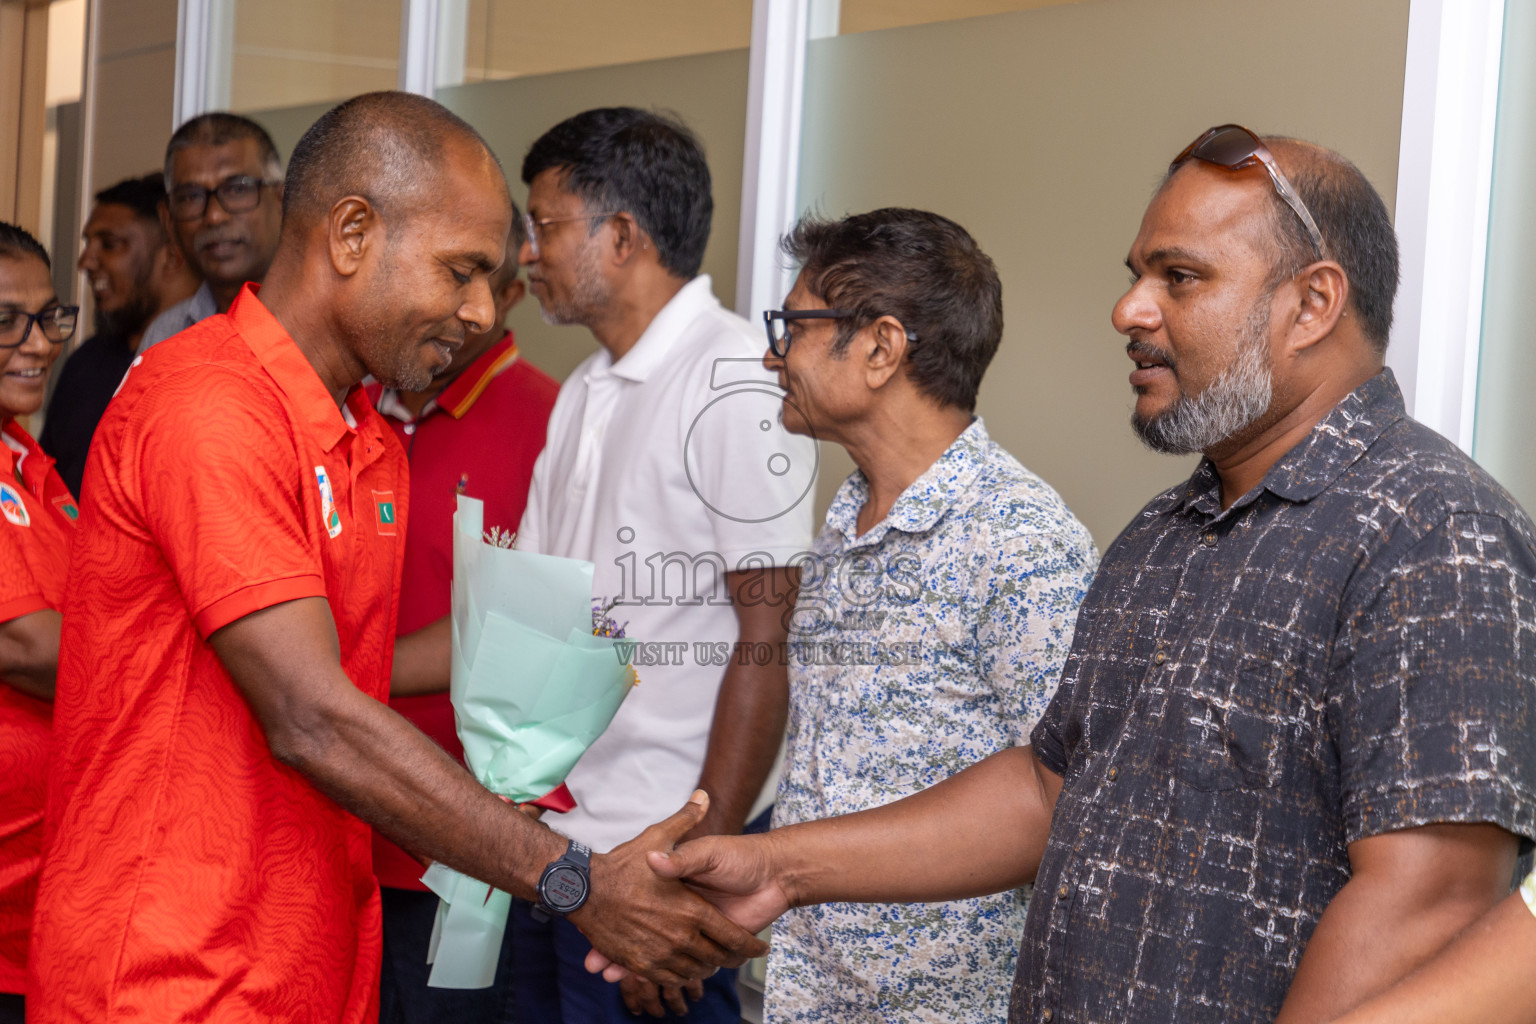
column 531, row 689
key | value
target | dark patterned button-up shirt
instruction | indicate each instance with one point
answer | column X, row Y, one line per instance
column 1348, row 650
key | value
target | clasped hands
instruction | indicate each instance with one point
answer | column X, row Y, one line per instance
column 649, row 923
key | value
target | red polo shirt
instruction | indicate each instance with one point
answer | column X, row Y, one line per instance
column 483, row 432
column 37, row 524
column 190, row 875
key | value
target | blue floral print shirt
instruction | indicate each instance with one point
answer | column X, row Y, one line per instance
column 917, row 649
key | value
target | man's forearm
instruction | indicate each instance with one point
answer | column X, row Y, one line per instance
column 372, row 762
column 420, row 665
column 419, row 797
column 1410, row 893
column 981, row 831
column 744, row 739
column 1487, row 976
column 29, row 653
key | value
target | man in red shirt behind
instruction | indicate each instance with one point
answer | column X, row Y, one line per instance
column 230, row 621
column 476, row 430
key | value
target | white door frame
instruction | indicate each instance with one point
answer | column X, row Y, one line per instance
column 418, row 46
column 770, row 174
column 1444, row 178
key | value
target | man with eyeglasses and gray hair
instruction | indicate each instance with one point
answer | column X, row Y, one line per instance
column 1291, row 754
column 224, row 208
column 933, row 620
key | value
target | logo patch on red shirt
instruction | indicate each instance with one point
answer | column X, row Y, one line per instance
column 13, row 507
column 328, row 503
column 384, row 502
column 67, row 506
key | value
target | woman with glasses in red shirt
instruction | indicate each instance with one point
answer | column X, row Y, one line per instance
column 37, row 519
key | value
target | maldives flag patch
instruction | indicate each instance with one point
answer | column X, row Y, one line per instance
column 384, row 504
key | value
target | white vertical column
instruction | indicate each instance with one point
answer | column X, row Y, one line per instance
column 192, row 60
column 205, row 37
column 452, row 42
column 770, row 174
column 1444, row 177
column 418, row 46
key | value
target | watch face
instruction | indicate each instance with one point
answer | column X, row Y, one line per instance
column 565, row 888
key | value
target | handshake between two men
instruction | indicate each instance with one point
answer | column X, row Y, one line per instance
column 651, row 923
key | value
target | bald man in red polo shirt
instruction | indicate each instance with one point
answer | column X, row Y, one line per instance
column 220, row 734
column 477, row 429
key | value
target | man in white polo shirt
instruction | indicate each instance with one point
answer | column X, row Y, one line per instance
column 668, row 467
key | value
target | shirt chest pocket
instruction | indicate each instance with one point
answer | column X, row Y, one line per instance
column 1236, row 736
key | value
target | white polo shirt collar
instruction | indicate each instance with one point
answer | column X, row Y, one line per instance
column 660, row 336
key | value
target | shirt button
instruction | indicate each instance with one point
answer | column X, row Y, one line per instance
column 410, row 428
column 1159, row 657
column 1062, row 892
column 1047, row 1015
column 1209, row 539
column 1112, row 773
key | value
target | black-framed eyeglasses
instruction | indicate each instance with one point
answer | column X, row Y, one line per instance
column 531, row 227
column 776, row 321
column 1233, row 147
column 56, row 322
column 237, row 194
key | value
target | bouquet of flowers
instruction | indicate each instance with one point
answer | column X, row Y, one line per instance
column 538, row 673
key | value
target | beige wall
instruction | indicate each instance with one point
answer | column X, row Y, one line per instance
column 134, row 88
column 1044, row 132
column 23, row 106
column 506, row 38
column 286, row 52
column 872, row 15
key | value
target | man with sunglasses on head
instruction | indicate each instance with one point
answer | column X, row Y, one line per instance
column 224, row 208
column 1291, row 752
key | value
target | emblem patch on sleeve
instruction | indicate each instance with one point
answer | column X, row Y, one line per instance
column 12, row 507
column 328, row 503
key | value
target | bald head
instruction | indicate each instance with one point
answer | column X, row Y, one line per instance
column 1353, row 220
column 387, row 147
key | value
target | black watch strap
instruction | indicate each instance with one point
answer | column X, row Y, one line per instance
column 566, row 883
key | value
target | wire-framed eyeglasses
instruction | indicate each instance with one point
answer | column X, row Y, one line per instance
column 531, row 227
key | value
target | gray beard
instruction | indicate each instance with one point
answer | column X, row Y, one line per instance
column 1230, row 404
column 587, row 299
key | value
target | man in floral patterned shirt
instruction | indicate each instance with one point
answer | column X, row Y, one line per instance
column 935, row 614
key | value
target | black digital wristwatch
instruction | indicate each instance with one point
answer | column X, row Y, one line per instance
column 565, row 883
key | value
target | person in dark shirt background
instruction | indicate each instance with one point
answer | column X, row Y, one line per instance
column 134, row 273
